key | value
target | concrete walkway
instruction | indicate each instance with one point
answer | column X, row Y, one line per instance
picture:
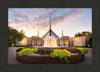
column 88, row 57
column 12, row 56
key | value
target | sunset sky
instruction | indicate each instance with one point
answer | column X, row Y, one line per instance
column 70, row 20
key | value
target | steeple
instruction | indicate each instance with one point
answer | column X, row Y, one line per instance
column 38, row 31
column 62, row 37
column 38, row 37
column 62, row 33
column 50, row 23
column 50, row 27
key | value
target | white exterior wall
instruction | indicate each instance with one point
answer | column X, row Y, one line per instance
column 46, row 36
column 22, row 42
column 80, row 41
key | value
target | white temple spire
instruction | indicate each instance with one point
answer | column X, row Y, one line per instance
column 62, row 33
column 50, row 23
column 50, row 27
column 38, row 31
column 62, row 37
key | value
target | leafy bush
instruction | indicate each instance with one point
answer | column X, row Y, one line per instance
column 35, row 50
column 41, row 52
column 19, row 49
column 45, row 51
column 27, row 51
column 62, row 54
column 83, row 50
column 69, row 48
column 75, row 51
column 48, row 51
column 89, row 45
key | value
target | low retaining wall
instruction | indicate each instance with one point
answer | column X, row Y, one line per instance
column 46, row 59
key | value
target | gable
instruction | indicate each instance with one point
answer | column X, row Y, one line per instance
column 52, row 34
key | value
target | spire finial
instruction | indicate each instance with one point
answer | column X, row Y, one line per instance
column 50, row 23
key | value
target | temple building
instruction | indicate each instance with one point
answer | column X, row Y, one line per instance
column 61, row 41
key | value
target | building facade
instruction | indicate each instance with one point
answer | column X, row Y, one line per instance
column 61, row 41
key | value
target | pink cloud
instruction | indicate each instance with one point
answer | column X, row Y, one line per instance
column 79, row 15
column 36, row 19
column 72, row 17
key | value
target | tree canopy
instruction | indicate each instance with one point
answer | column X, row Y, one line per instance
column 14, row 35
column 85, row 33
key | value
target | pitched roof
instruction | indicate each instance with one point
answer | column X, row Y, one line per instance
column 49, row 32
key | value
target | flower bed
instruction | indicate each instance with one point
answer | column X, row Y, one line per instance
column 46, row 59
column 50, row 56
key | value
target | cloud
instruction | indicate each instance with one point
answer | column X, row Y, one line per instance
column 29, row 19
column 77, row 14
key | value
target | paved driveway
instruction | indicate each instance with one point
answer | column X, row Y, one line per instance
column 12, row 56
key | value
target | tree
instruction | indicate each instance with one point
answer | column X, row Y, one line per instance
column 85, row 33
column 79, row 34
column 76, row 35
column 14, row 35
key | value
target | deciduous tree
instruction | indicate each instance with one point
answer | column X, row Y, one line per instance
column 14, row 35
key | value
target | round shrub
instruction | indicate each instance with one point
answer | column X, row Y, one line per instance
column 19, row 49
column 83, row 50
column 75, row 51
column 26, row 51
column 62, row 54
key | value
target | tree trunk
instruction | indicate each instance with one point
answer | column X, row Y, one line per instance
column 14, row 43
column 10, row 43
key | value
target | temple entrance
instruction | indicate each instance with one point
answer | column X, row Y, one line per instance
column 66, row 43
